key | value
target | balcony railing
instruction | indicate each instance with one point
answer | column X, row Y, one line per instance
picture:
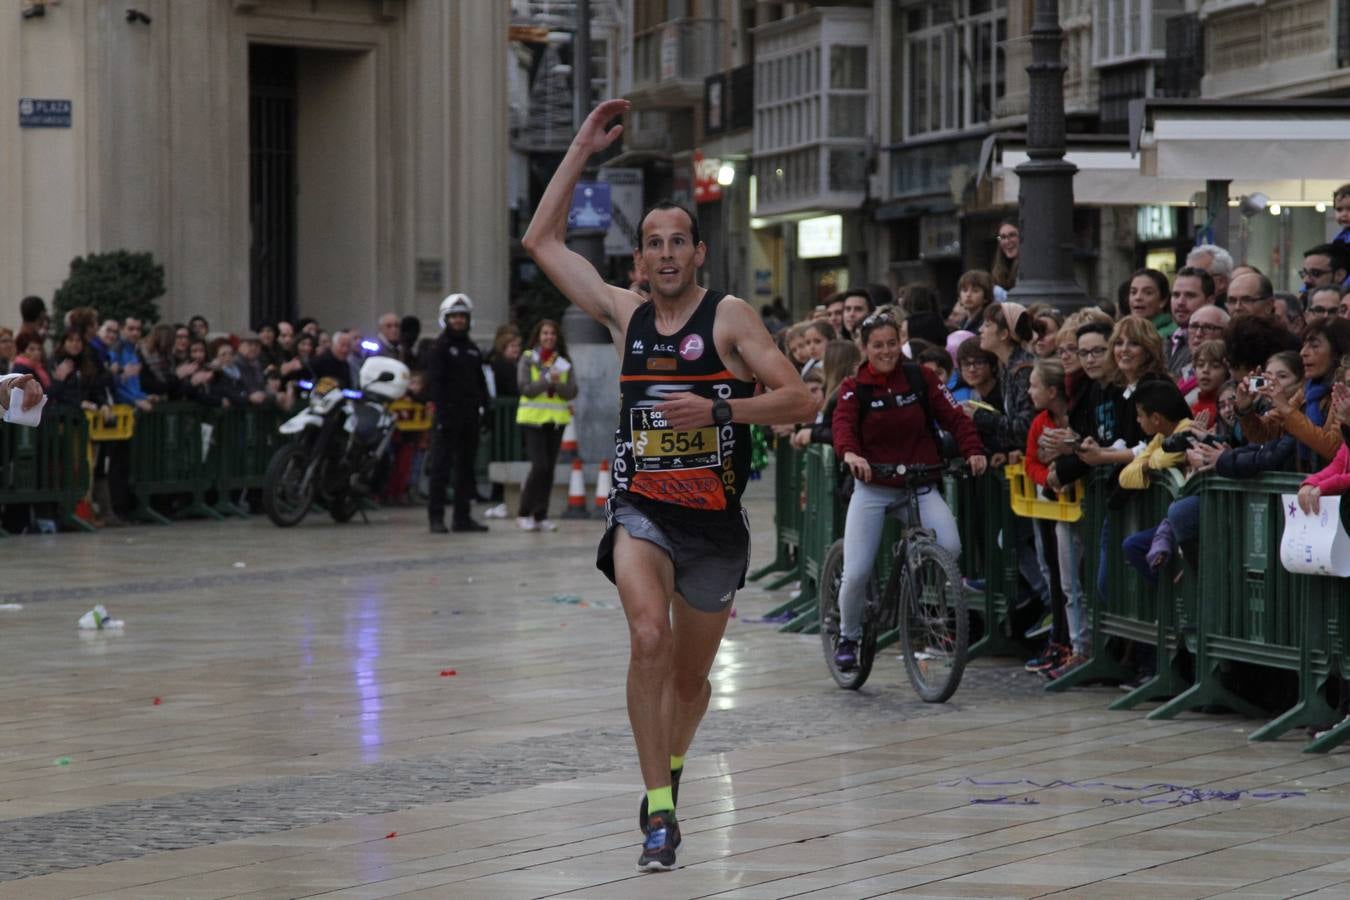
column 679, row 50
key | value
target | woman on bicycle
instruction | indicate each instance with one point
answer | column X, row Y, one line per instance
column 879, row 418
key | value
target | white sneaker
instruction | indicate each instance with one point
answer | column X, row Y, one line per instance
column 497, row 512
column 546, row 525
column 525, row 523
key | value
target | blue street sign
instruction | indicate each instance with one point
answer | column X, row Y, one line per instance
column 44, row 113
column 591, row 206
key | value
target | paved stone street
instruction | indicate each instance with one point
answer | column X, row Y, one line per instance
column 372, row 711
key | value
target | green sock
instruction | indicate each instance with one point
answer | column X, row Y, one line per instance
column 660, row 800
column 676, row 763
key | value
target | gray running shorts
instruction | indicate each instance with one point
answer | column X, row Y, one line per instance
column 710, row 557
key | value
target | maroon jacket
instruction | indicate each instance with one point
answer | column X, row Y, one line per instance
column 893, row 431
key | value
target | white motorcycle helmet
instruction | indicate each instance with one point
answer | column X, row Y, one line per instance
column 455, row 304
column 384, row 377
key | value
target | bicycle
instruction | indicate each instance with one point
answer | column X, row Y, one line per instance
column 923, row 597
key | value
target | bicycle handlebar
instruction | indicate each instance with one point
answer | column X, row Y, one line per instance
column 893, row 470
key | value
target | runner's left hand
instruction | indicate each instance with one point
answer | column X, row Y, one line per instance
column 686, row 410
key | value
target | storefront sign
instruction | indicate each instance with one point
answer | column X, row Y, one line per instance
column 1155, row 223
column 706, row 187
column 670, row 52
column 591, row 207
column 44, row 113
column 820, row 237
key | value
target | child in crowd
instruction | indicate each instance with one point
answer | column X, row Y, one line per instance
column 1068, row 644
column 1161, row 411
column 1211, row 373
column 1225, row 426
column 815, row 336
column 937, row 360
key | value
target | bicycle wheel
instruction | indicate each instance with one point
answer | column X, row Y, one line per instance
column 831, row 576
column 934, row 624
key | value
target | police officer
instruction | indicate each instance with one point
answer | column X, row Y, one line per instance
column 459, row 391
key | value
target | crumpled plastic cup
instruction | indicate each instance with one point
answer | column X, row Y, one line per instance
column 97, row 619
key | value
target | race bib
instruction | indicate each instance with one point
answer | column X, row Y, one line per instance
column 657, row 447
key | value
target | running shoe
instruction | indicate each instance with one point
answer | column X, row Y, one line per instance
column 497, row 512
column 1071, row 662
column 674, row 796
column 658, row 850
column 846, row 655
column 546, row 525
column 1052, row 657
column 526, row 523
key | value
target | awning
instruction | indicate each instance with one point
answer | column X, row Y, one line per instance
column 1284, row 141
column 1296, row 152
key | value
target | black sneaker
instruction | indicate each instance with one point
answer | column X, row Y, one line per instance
column 674, row 795
column 658, row 850
column 468, row 525
column 439, row 528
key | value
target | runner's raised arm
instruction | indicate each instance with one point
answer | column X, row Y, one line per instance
column 545, row 239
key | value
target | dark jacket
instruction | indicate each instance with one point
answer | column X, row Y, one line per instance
column 1255, row 459
column 455, row 377
column 326, row 365
column 1012, row 423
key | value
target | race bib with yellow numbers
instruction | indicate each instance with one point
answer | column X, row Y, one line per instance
column 657, row 447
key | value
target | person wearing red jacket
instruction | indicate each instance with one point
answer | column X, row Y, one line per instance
column 879, row 419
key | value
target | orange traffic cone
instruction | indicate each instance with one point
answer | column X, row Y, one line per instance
column 602, row 485
column 576, row 493
column 568, row 451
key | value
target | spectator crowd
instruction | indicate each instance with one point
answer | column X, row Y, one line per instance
column 1210, row 370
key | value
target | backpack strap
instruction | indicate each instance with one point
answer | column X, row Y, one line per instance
column 914, row 375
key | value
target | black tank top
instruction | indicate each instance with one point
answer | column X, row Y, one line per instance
column 694, row 469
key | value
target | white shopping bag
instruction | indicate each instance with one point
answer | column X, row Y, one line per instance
column 1315, row 544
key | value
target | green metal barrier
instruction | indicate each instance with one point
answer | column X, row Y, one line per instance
column 1254, row 611
column 47, row 464
column 242, row 444
column 787, row 516
column 168, row 459
column 987, row 525
column 822, row 523
column 1131, row 608
column 505, row 444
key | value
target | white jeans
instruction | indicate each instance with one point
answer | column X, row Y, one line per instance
column 1069, row 538
column 862, row 535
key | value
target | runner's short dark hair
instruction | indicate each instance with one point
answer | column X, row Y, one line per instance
column 670, row 204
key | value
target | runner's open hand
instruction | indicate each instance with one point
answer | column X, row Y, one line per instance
column 594, row 136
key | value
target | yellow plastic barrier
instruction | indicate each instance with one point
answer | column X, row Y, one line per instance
column 1029, row 505
column 411, row 415
column 120, row 427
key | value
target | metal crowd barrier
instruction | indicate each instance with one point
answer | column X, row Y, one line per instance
column 48, row 464
column 1234, row 605
column 787, row 516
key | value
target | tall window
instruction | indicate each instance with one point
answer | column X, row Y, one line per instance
column 953, row 64
column 1128, row 30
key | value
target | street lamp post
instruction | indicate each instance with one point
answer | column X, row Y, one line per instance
column 1045, row 197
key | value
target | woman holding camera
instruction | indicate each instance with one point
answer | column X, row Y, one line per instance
column 1304, row 414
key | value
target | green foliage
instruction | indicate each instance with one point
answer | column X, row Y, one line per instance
column 117, row 284
column 539, row 299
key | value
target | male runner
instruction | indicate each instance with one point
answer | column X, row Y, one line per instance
column 677, row 543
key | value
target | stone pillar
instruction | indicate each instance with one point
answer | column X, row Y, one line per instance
column 1045, row 201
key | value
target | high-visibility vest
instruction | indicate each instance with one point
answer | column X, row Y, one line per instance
column 544, row 409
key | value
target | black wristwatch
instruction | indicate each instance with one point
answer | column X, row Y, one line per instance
column 721, row 412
